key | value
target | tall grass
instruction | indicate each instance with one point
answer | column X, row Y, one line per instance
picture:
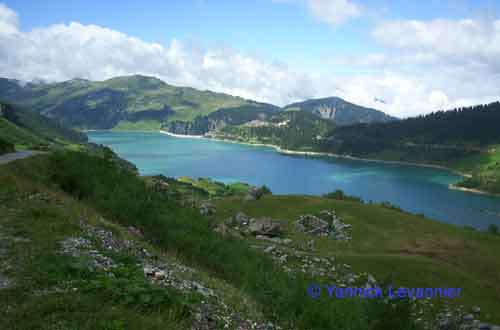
column 125, row 198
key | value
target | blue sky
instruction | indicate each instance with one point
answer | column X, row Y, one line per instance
column 370, row 42
column 276, row 30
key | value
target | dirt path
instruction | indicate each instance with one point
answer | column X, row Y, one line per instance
column 7, row 158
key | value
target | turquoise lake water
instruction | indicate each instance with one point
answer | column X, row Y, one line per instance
column 413, row 188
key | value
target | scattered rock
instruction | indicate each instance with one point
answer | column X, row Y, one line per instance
column 265, row 227
column 206, row 292
column 135, row 232
column 269, row 249
column 5, row 282
column 207, row 209
column 326, row 223
column 159, row 275
column 240, row 219
column 312, row 225
column 221, row 229
column 149, row 271
column 254, row 193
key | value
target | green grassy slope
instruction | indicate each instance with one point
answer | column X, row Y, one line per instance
column 104, row 104
column 26, row 129
column 5, row 147
column 410, row 250
column 140, row 102
column 45, row 288
column 82, row 187
column 484, row 169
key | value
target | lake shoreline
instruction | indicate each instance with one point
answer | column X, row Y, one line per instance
column 323, row 154
column 471, row 190
column 316, row 153
column 327, row 154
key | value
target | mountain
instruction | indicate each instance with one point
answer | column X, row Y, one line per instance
column 128, row 101
column 341, row 112
column 140, row 102
column 463, row 139
column 295, row 130
column 222, row 118
column 21, row 128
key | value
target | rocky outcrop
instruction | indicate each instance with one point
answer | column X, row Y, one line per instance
column 256, row 193
column 218, row 120
column 265, row 227
column 207, row 209
column 325, row 223
column 341, row 112
column 259, row 227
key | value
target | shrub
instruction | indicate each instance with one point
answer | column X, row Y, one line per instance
column 340, row 195
column 6, row 147
column 493, row 229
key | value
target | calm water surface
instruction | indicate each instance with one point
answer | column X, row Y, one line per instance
column 415, row 189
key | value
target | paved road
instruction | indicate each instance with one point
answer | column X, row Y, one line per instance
column 7, row 158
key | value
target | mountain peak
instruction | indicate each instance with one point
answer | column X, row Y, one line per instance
column 340, row 111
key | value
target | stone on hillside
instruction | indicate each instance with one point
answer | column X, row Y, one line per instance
column 269, row 249
column 240, row 219
column 149, row 271
column 253, row 194
column 160, row 274
column 221, row 229
column 135, row 232
column 265, row 227
column 206, row 292
column 327, row 223
column 207, row 209
column 312, row 225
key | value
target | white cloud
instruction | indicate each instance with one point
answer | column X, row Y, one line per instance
column 475, row 43
column 8, row 20
column 334, row 11
column 61, row 52
column 65, row 51
column 432, row 65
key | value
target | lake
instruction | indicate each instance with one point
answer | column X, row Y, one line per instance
column 413, row 188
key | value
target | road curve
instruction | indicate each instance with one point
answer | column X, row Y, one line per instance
column 7, row 158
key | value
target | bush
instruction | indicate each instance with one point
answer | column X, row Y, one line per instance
column 6, row 147
column 340, row 195
column 493, row 229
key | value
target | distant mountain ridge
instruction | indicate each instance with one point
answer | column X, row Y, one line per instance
column 341, row 112
column 141, row 102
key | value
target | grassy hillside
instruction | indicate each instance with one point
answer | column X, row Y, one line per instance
column 5, row 147
column 25, row 129
column 484, row 169
column 73, row 260
column 140, row 102
column 106, row 104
